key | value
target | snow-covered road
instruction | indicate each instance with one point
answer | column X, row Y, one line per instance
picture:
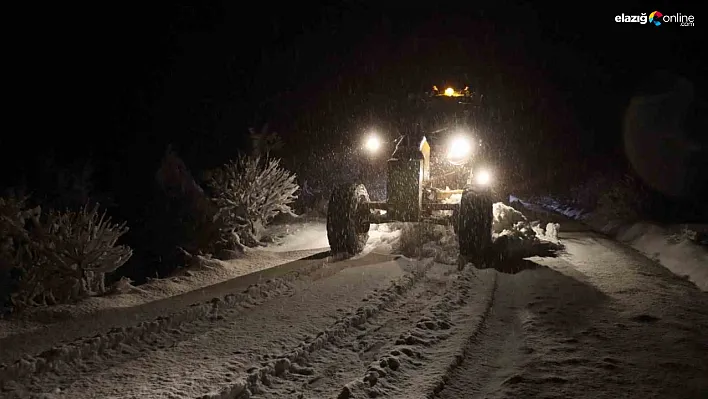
column 598, row 321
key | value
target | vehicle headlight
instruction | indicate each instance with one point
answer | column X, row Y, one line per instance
column 373, row 143
column 459, row 150
column 483, row 177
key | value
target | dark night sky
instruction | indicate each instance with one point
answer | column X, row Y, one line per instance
column 123, row 82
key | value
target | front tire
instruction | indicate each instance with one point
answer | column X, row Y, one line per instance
column 474, row 230
column 347, row 227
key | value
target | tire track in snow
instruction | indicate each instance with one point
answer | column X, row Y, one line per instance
column 53, row 326
column 260, row 378
column 325, row 372
column 493, row 353
column 473, row 339
column 122, row 344
column 422, row 359
column 222, row 356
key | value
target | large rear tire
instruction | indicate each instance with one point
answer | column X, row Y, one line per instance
column 474, row 230
column 347, row 225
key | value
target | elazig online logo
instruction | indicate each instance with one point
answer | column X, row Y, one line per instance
column 656, row 18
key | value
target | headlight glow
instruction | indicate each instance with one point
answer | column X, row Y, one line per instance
column 483, row 177
column 460, row 148
column 373, row 143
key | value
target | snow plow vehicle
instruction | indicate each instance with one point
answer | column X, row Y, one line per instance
column 422, row 167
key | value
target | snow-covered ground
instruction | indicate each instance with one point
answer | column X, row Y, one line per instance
column 594, row 320
column 434, row 241
column 206, row 273
column 310, row 233
column 676, row 247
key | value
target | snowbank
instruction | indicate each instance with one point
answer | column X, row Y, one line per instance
column 519, row 238
column 293, row 239
column 67, row 355
column 522, row 238
column 510, row 221
column 205, row 273
column 676, row 247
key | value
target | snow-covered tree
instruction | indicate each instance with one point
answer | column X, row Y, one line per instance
column 61, row 256
column 249, row 192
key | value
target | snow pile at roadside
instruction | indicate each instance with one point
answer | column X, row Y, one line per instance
column 205, row 273
column 521, row 237
column 301, row 237
column 673, row 249
column 679, row 248
column 506, row 218
column 511, row 222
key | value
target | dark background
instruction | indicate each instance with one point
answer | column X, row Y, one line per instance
column 118, row 82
